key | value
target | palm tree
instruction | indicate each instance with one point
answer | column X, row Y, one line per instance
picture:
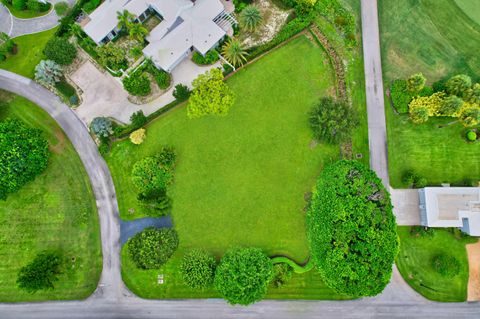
column 125, row 19
column 234, row 52
column 138, row 31
column 250, row 18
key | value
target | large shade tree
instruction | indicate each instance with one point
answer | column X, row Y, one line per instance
column 243, row 275
column 351, row 230
column 210, row 95
column 41, row 273
column 23, row 155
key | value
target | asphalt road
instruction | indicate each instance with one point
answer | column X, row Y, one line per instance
column 16, row 27
column 113, row 300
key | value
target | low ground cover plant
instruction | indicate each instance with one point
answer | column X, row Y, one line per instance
column 23, row 155
column 351, row 229
column 152, row 247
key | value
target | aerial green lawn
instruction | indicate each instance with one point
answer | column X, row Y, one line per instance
column 414, row 262
column 55, row 211
column 471, row 8
column 435, row 37
column 25, row 14
column 30, row 52
column 241, row 179
column 440, row 154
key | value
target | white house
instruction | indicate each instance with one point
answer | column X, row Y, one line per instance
column 451, row 207
column 186, row 25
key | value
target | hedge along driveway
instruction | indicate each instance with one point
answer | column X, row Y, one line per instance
column 240, row 179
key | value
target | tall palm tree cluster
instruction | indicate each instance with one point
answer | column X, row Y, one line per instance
column 136, row 30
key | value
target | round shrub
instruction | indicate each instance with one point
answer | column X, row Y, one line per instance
column 471, row 136
column 101, row 127
column 181, row 92
column 243, row 275
column 198, row 269
column 351, row 230
column 152, row 247
column 446, row 265
column 149, row 175
column 137, row 84
column 23, row 155
column 137, row 137
column 60, row 50
column 163, row 79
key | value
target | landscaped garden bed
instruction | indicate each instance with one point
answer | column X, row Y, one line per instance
column 24, row 9
column 38, row 216
column 434, row 262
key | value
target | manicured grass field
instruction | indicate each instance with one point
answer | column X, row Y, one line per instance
column 25, row 14
column 30, row 52
column 415, row 264
column 435, row 37
column 471, row 8
column 55, row 211
column 240, row 179
column 442, row 155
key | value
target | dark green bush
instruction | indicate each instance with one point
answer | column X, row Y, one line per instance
column 282, row 273
column 23, row 155
column 138, row 119
column 351, row 230
column 210, row 57
column 41, row 273
column 243, row 275
column 151, row 248
column 198, row 269
column 137, row 84
column 401, row 97
column 19, row 4
column 163, row 79
column 61, row 8
column 446, row 265
column 2, row 57
column 60, row 50
column 91, row 5
column 181, row 92
column 412, row 179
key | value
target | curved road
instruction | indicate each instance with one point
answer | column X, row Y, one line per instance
column 112, row 299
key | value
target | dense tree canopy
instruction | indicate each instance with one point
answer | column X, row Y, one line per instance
column 332, row 121
column 416, row 82
column 198, row 269
column 210, row 95
column 152, row 247
column 351, row 230
column 41, row 273
column 458, row 84
column 243, row 275
column 23, row 155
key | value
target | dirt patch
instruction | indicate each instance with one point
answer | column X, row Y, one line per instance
column 273, row 20
column 58, row 148
column 473, row 251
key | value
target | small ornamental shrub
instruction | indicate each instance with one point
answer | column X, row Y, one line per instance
column 151, row 248
column 101, row 127
column 112, row 56
column 61, row 8
column 41, row 273
column 48, row 72
column 23, row 155
column 150, row 175
column 332, row 122
column 400, row 96
column 181, row 92
column 135, row 52
column 451, row 106
column 458, row 85
column 470, row 114
column 351, row 230
column 416, row 82
column 243, row 275
column 198, row 269
column 473, row 94
column 137, row 137
column 210, row 57
column 19, row 4
column 250, row 18
column 471, row 136
column 282, row 273
column 60, row 50
column 138, row 119
column 446, row 265
column 137, row 84
column 163, row 79
column 412, row 179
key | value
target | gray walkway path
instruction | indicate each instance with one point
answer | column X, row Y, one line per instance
column 129, row 228
column 16, row 27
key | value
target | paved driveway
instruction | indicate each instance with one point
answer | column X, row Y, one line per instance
column 406, row 206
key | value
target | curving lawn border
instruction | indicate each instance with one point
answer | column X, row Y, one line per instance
column 26, row 14
column 297, row 268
